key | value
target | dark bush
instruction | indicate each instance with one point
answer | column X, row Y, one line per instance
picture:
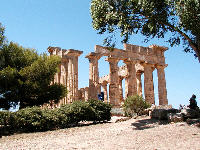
column 6, row 120
column 33, row 119
column 102, row 111
column 50, row 119
column 135, row 105
column 29, row 119
column 5, row 117
column 76, row 112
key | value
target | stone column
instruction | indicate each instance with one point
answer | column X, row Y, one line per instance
column 113, row 80
column 86, row 94
column 162, row 90
column 104, row 88
column 94, row 87
column 120, row 89
column 57, row 75
column 72, row 84
column 139, row 83
column 70, row 81
column 56, row 51
column 130, row 81
column 63, row 77
column 148, row 83
column 75, row 67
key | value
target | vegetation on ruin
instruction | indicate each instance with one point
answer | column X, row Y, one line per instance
column 25, row 76
column 33, row 119
column 151, row 18
column 135, row 105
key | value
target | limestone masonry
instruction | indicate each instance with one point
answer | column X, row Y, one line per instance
column 137, row 59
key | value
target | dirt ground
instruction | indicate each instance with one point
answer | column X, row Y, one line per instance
column 140, row 134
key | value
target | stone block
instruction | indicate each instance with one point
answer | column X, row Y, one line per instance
column 172, row 117
column 190, row 113
column 161, row 114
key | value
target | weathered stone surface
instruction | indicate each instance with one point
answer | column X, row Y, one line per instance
column 131, row 88
column 162, row 114
column 94, row 87
column 190, row 113
column 113, row 82
column 137, row 59
column 148, row 83
column 174, row 117
column 162, row 91
column 68, row 72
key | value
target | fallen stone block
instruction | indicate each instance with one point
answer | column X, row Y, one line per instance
column 175, row 117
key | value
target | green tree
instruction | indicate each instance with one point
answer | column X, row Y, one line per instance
column 25, row 76
column 151, row 18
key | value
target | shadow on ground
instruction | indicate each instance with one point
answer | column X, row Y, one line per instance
column 148, row 123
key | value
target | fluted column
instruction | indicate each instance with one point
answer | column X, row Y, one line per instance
column 70, row 81
column 63, row 77
column 139, row 83
column 148, row 83
column 94, row 87
column 75, row 88
column 130, row 81
column 162, row 90
column 72, row 84
column 104, row 88
column 57, row 75
column 56, row 51
column 113, row 80
column 120, row 89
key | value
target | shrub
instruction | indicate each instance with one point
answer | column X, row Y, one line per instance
column 29, row 119
column 135, row 105
column 102, row 111
column 50, row 119
column 76, row 112
column 33, row 119
column 5, row 118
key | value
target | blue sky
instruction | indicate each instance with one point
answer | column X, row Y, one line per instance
column 67, row 24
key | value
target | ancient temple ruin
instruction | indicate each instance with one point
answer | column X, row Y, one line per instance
column 137, row 59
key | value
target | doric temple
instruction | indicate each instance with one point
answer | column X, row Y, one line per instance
column 137, row 60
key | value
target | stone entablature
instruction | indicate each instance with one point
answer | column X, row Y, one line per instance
column 152, row 54
column 138, row 60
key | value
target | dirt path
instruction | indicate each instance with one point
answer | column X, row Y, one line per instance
column 137, row 134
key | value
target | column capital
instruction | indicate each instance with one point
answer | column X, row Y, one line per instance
column 112, row 59
column 104, row 83
column 130, row 61
column 148, row 65
column 93, row 55
column 121, row 77
column 53, row 50
column 73, row 53
column 139, row 73
column 145, row 64
column 161, row 66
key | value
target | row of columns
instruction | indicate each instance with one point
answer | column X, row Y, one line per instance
column 68, row 74
column 133, row 84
